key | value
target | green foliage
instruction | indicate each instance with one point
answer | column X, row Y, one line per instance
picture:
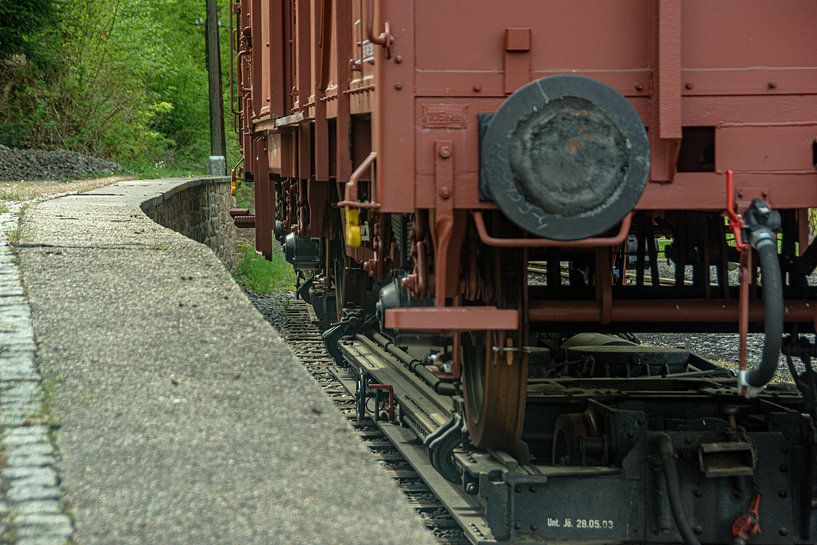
column 128, row 81
column 255, row 274
column 22, row 23
column 9, row 196
column 245, row 196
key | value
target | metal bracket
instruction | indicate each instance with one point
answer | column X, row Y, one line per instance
column 302, row 290
column 391, row 403
column 351, row 323
column 596, row 242
column 385, row 38
column 444, row 215
column 441, row 443
column 517, row 58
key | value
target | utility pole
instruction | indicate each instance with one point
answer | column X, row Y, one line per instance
column 218, row 142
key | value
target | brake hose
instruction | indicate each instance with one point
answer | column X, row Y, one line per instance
column 674, row 489
column 761, row 224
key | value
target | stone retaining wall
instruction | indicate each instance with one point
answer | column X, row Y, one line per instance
column 200, row 210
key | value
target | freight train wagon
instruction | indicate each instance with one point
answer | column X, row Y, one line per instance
column 497, row 194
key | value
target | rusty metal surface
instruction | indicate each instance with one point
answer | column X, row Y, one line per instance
column 488, row 240
column 452, row 319
column 666, row 26
column 657, row 310
column 494, row 392
column 324, row 84
column 264, row 200
column 717, row 84
column 643, row 49
column 621, row 44
column 239, row 212
column 245, row 221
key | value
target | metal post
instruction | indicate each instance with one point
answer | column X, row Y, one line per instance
column 218, row 143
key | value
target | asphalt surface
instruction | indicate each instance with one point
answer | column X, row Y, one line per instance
column 184, row 419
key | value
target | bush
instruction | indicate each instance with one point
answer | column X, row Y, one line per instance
column 125, row 79
column 22, row 23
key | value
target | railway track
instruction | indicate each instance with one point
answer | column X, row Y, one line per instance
column 299, row 328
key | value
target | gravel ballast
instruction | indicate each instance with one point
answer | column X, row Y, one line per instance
column 24, row 164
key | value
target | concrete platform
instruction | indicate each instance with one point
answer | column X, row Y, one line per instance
column 183, row 418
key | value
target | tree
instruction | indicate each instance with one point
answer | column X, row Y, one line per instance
column 121, row 79
column 21, row 24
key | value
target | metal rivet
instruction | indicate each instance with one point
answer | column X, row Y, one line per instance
column 698, row 530
column 639, row 86
column 783, row 468
column 772, row 85
column 784, row 531
column 532, row 489
column 532, row 527
column 517, row 488
column 398, row 59
column 698, row 493
column 445, row 194
column 477, row 87
column 689, row 85
column 783, row 494
column 517, row 525
column 398, row 85
column 445, row 152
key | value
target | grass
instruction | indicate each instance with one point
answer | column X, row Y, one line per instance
column 185, row 166
column 46, row 415
column 14, row 236
column 256, row 274
column 166, row 169
column 9, row 196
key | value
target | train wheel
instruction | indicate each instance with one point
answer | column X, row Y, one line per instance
column 495, row 380
column 495, row 393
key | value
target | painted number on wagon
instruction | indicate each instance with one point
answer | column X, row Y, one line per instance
column 593, row 524
column 581, row 524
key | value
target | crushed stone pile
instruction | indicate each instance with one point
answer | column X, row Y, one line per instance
column 25, row 164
